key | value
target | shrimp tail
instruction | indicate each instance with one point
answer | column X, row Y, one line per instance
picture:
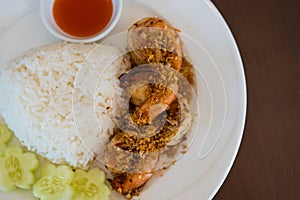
column 130, row 184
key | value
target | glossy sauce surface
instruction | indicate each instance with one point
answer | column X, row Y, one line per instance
column 82, row 18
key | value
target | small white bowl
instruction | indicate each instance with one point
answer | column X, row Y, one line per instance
column 48, row 20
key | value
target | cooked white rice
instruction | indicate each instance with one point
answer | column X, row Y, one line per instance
column 37, row 99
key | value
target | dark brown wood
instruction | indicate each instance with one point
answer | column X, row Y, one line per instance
column 268, row 36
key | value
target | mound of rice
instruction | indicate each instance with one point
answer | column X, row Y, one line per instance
column 50, row 100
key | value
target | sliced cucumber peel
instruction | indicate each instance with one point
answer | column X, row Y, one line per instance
column 5, row 136
column 17, row 169
column 90, row 185
column 55, row 183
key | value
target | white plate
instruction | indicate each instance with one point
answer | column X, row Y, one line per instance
column 220, row 77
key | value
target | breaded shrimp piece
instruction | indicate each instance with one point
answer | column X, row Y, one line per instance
column 153, row 40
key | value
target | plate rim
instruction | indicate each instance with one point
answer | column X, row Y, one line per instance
column 240, row 65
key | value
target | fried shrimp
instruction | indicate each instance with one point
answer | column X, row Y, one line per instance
column 153, row 40
column 130, row 184
column 153, row 124
column 152, row 88
column 157, row 103
column 129, row 154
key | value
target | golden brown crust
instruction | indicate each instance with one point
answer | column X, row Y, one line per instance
column 130, row 184
column 153, row 40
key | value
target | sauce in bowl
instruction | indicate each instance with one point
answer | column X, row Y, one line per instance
column 82, row 18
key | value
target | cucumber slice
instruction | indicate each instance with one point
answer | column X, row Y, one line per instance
column 5, row 136
column 2, row 148
column 17, row 169
column 5, row 133
column 90, row 185
column 55, row 183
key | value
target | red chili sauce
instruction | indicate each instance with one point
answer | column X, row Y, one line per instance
column 82, row 18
